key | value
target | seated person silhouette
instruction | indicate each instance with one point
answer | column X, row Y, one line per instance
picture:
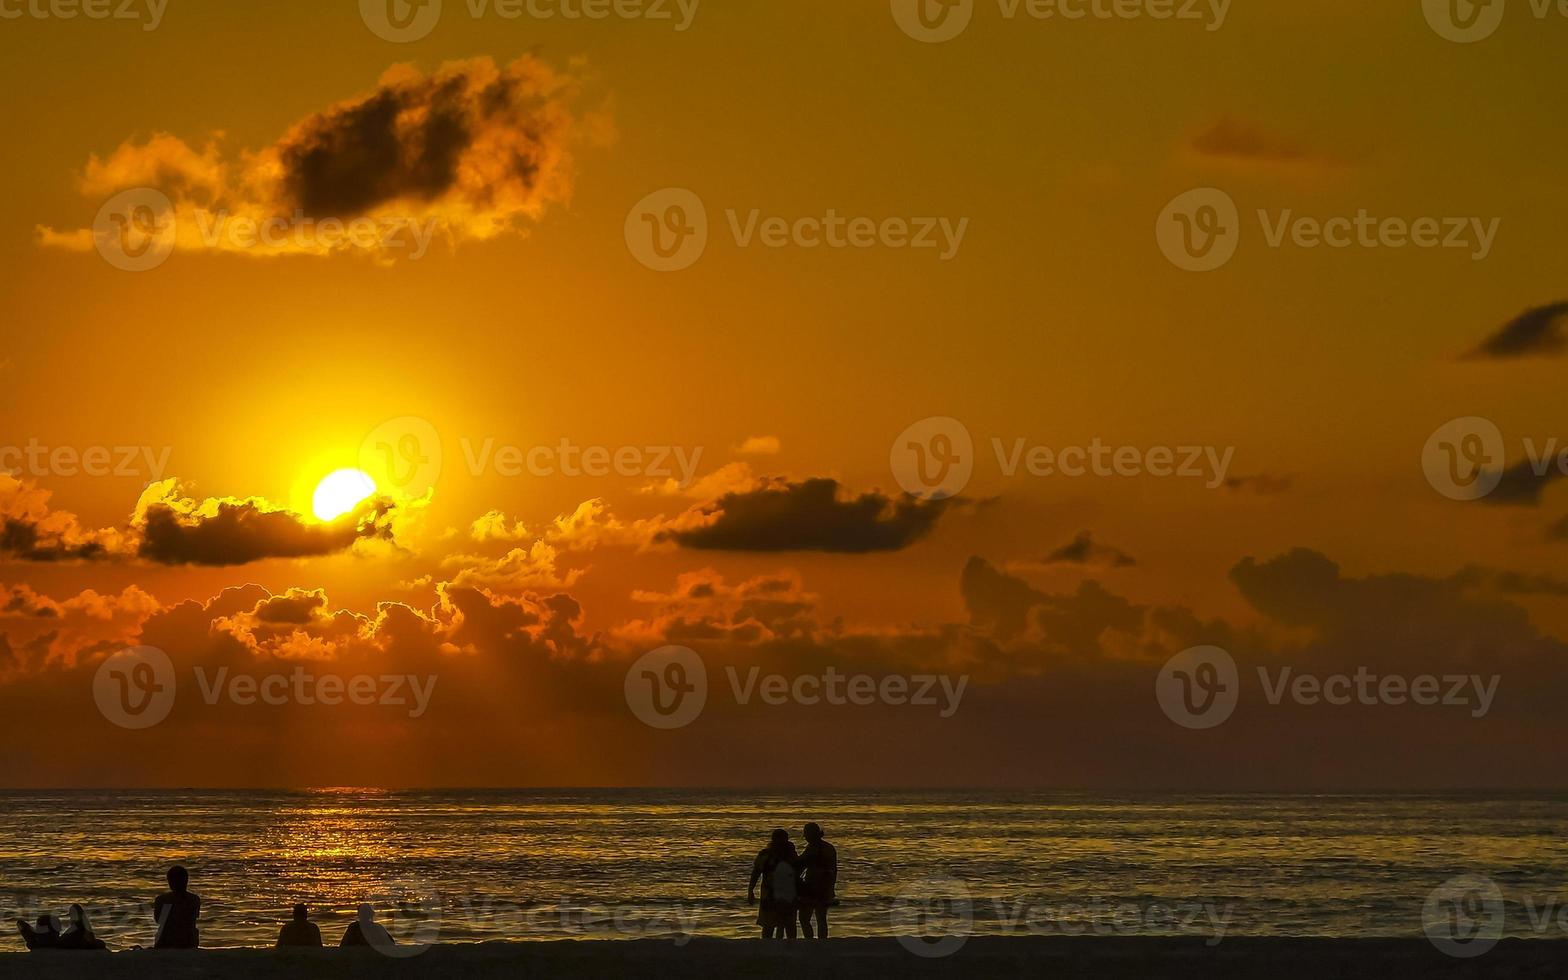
column 45, row 935
column 176, row 912
column 78, row 934
column 299, row 931
column 366, row 931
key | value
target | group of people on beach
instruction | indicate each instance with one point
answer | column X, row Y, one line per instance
column 176, row 912
column 796, row 885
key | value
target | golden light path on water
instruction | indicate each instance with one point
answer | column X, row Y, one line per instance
column 465, row 866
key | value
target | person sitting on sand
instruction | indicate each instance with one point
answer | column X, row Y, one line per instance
column 45, row 935
column 299, row 931
column 776, row 866
column 78, row 934
column 176, row 912
column 818, row 878
column 366, row 931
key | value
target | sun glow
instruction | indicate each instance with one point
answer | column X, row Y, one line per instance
column 340, row 492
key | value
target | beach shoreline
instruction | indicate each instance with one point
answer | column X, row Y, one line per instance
column 851, row 959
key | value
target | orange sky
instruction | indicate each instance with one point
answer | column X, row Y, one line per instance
column 1041, row 153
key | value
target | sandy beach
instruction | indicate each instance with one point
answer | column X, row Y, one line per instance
column 1140, row 958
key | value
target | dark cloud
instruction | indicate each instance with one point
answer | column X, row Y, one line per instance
column 172, row 529
column 470, row 151
column 1262, row 484
column 1523, row 484
column 1238, row 139
column 1536, row 332
column 33, row 530
column 1084, row 550
column 812, row 515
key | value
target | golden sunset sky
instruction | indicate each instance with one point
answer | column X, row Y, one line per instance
column 787, row 374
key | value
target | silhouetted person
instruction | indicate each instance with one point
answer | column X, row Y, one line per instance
column 45, row 935
column 299, row 931
column 777, row 867
column 366, row 931
column 818, row 879
column 176, row 912
column 78, row 934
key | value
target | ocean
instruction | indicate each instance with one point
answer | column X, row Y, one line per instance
column 465, row 866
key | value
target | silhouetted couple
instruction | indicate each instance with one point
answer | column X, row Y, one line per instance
column 794, row 885
column 47, row 935
column 363, row 931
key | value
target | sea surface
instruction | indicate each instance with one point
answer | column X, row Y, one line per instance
column 477, row 865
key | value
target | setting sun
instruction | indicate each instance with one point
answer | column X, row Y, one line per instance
column 340, row 492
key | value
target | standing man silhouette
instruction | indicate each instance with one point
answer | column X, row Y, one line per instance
column 818, row 878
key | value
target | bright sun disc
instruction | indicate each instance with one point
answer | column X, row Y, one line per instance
column 340, row 492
